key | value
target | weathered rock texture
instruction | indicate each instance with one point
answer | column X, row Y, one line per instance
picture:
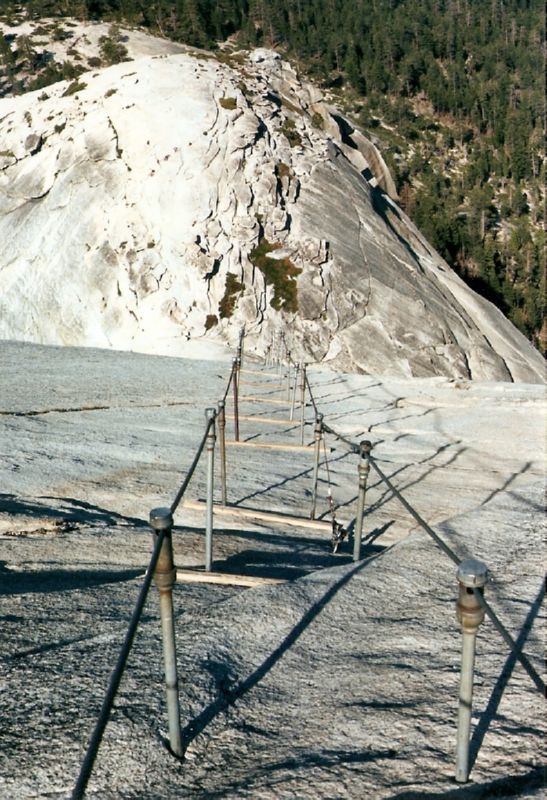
column 341, row 683
column 130, row 210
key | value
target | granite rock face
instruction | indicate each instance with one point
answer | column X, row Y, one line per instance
column 180, row 196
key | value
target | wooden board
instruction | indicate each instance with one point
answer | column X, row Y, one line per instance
column 269, row 420
column 267, row 516
column 271, row 446
column 264, row 384
column 197, row 576
column 259, row 372
column 266, row 400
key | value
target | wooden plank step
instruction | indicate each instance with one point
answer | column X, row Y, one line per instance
column 269, row 420
column 267, row 516
column 267, row 400
column 264, row 384
column 197, row 576
column 271, row 446
column 259, row 372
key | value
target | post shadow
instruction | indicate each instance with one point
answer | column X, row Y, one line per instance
column 228, row 697
column 497, row 692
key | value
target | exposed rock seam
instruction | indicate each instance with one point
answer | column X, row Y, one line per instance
column 85, row 408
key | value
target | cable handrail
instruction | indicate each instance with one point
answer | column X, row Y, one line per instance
column 230, row 379
column 116, row 675
column 502, row 630
column 188, row 478
column 314, row 404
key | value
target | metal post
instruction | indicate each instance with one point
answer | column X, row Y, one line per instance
column 296, row 371
column 271, row 349
column 235, row 386
column 318, row 433
column 302, row 400
column 165, row 573
column 222, row 442
column 281, row 348
column 288, row 375
column 363, row 469
column 472, row 576
column 240, row 348
column 210, row 414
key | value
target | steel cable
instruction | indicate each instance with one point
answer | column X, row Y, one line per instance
column 502, row 630
column 180, row 493
column 116, row 676
column 230, row 379
column 311, row 395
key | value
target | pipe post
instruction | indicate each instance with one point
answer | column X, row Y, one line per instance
column 165, row 574
column 281, row 353
column 221, row 415
column 302, row 400
column 235, row 387
column 271, row 352
column 288, row 375
column 472, row 576
column 210, row 415
column 240, row 346
column 363, row 469
column 318, row 434
column 293, row 402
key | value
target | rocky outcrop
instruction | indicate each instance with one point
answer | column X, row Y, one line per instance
column 181, row 196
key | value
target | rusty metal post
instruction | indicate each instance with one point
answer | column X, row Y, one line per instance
column 293, row 403
column 210, row 415
column 161, row 519
column 221, row 415
column 318, row 433
column 472, row 576
column 302, row 400
column 365, row 448
column 235, row 387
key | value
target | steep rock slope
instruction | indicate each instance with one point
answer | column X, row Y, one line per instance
column 178, row 196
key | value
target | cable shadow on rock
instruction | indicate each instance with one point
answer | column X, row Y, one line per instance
column 282, row 565
column 285, row 481
column 533, row 504
column 91, row 514
column 525, row 468
column 60, row 580
column 263, row 776
column 78, row 511
column 508, row 786
column 229, row 697
column 387, row 495
column 51, row 646
column 497, row 692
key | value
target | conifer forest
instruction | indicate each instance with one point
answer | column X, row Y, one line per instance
column 452, row 92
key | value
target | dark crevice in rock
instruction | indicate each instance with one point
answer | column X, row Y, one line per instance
column 345, row 131
column 273, row 98
column 44, row 194
column 119, row 150
column 214, row 271
column 466, row 364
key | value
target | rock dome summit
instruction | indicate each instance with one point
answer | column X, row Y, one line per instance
column 163, row 203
